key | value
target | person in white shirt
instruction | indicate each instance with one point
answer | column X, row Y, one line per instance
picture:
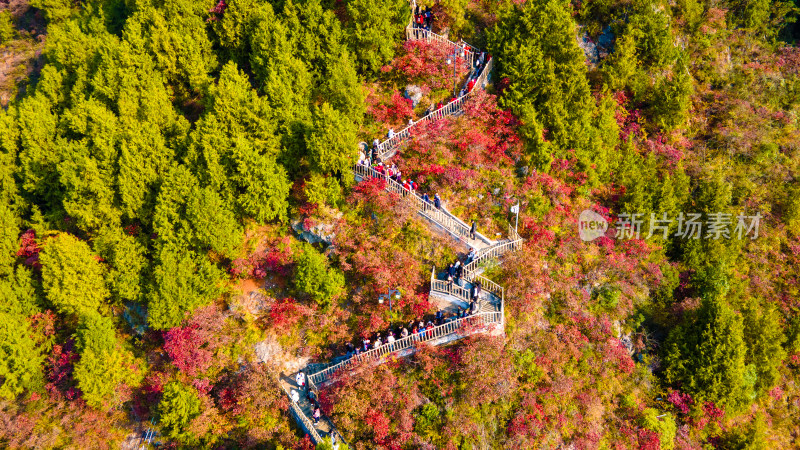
column 300, row 379
column 294, row 396
column 390, row 134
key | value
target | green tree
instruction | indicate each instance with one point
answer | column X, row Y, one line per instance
column 665, row 427
column 182, row 281
column 20, row 359
column 126, row 257
column 764, row 337
column 706, row 355
column 72, row 276
column 9, row 231
column 372, row 30
column 179, row 405
column 214, row 224
column 18, row 294
column 314, row 277
column 234, row 150
column 7, row 31
column 173, row 34
column 55, row 10
column 103, row 364
column 332, row 142
column 535, row 47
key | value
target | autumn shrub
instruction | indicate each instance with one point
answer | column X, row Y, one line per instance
column 314, row 276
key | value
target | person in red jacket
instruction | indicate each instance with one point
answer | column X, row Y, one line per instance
column 470, row 85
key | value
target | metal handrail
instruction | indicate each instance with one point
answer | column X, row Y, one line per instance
column 298, row 412
column 440, row 215
column 387, row 148
column 437, row 332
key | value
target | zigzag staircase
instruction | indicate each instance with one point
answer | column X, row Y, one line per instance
column 490, row 317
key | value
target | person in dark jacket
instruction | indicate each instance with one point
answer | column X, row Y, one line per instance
column 437, row 202
column 472, row 231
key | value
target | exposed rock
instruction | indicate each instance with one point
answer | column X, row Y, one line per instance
column 316, row 233
column 270, row 352
column 255, row 303
column 596, row 50
column 414, row 93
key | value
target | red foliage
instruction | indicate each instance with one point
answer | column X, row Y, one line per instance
column 397, row 110
column 681, row 401
column 133, row 229
column 285, row 313
column 59, row 374
column 185, row 346
column 304, row 444
column 276, row 258
column 649, row 440
column 29, row 249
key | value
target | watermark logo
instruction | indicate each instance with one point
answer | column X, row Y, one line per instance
column 686, row 226
column 591, row 225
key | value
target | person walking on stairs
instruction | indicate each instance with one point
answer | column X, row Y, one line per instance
column 317, row 415
column 472, row 231
column 470, row 255
column 437, row 202
column 300, row 378
column 294, row 396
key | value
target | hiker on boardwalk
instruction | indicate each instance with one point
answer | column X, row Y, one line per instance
column 470, row 85
column 437, row 202
column 470, row 255
column 366, row 344
column 295, row 396
column 458, row 271
column 390, row 339
column 300, row 378
column 472, row 231
column 474, row 292
column 390, row 133
column 439, row 317
column 317, row 415
column 404, row 333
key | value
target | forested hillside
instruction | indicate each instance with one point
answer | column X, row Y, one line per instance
column 180, row 228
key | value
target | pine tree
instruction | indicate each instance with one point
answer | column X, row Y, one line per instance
column 103, row 364
column 20, row 359
column 72, row 276
column 706, row 356
column 535, row 47
column 373, row 29
column 764, row 337
column 314, row 278
column 179, row 405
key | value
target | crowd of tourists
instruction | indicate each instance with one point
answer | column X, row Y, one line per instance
column 419, row 328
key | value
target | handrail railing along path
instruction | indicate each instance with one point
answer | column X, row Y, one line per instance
column 484, row 321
